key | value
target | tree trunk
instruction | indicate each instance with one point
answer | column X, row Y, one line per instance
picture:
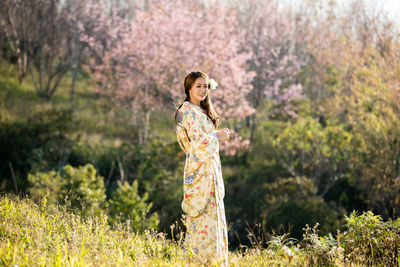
column 147, row 125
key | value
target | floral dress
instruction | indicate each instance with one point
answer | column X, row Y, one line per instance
column 204, row 219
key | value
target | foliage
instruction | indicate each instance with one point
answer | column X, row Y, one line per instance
column 85, row 189
column 371, row 114
column 269, row 36
column 127, row 205
column 45, row 184
column 49, row 38
column 318, row 150
column 31, row 144
column 80, row 186
column 84, row 192
column 281, row 182
column 37, row 33
column 289, row 202
column 160, row 172
column 370, row 240
column 367, row 240
column 321, row 250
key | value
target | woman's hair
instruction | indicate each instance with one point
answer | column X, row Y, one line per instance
column 206, row 104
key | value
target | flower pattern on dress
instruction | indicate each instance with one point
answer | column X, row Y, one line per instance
column 189, row 179
column 206, row 228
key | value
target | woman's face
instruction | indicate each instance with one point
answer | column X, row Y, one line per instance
column 199, row 90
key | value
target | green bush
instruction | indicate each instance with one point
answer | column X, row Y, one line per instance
column 80, row 186
column 370, row 240
column 85, row 189
column 126, row 204
column 45, row 184
column 84, row 192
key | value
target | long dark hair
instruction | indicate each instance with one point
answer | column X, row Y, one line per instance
column 206, row 104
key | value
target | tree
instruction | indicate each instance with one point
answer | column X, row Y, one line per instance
column 167, row 41
column 277, row 56
column 49, row 37
column 372, row 113
column 36, row 30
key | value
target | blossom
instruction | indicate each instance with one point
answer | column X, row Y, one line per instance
column 213, row 84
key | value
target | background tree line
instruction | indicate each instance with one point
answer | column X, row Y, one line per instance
column 312, row 95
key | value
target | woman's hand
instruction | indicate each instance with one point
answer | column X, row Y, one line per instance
column 224, row 134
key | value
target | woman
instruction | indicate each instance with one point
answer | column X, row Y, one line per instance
column 204, row 219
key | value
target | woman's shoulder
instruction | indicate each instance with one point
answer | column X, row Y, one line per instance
column 186, row 107
column 189, row 107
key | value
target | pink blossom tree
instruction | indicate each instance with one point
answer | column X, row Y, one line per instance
column 50, row 38
column 277, row 56
column 277, row 53
column 167, row 41
column 94, row 31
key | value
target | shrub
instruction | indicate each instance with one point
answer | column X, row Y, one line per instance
column 370, row 240
column 126, row 204
column 45, row 184
column 81, row 186
column 85, row 189
column 320, row 250
column 84, row 192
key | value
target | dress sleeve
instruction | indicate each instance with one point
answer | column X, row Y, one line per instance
column 198, row 168
column 205, row 143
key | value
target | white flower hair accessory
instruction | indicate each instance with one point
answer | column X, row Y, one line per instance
column 213, row 84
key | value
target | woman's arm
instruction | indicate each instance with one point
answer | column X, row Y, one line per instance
column 207, row 142
column 198, row 167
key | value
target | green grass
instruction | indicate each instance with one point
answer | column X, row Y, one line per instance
column 37, row 235
column 33, row 235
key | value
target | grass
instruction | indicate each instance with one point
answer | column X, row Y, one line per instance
column 37, row 235
column 33, row 235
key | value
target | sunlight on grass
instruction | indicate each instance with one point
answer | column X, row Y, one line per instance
column 40, row 235
column 33, row 235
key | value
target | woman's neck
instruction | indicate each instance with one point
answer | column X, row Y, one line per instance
column 197, row 104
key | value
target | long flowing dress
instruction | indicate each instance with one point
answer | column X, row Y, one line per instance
column 206, row 231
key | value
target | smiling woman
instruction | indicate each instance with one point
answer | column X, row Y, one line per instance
column 199, row 91
column 197, row 134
